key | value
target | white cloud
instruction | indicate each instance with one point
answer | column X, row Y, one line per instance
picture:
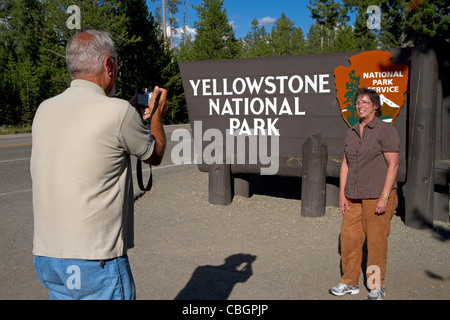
column 266, row 21
column 178, row 32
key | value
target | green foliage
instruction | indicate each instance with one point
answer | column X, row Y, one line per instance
column 367, row 38
column 215, row 37
column 34, row 33
column 141, row 52
column 256, row 43
column 403, row 23
column 426, row 19
column 285, row 38
column 178, row 110
column 344, row 39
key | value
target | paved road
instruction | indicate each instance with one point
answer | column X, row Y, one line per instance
column 15, row 152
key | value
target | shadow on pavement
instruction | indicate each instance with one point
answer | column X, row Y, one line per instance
column 217, row 282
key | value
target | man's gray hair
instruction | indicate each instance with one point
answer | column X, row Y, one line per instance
column 86, row 51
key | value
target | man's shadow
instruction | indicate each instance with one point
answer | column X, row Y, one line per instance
column 217, row 282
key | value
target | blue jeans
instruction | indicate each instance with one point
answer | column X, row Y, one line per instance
column 76, row 279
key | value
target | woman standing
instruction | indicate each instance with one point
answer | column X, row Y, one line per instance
column 367, row 196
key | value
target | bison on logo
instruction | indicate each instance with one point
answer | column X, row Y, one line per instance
column 371, row 69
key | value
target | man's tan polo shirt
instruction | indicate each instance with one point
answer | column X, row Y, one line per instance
column 81, row 173
column 367, row 167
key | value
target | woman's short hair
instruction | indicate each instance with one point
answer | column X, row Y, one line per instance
column 373, row 96
column 86, row 51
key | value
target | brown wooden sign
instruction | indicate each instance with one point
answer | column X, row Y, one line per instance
column 250, row 113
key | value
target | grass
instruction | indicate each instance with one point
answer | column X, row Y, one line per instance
column 10, row 129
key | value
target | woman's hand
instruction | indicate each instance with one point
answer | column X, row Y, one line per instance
column 381, row 205
column 343, row 204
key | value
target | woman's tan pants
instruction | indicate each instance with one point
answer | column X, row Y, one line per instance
column 359, row 224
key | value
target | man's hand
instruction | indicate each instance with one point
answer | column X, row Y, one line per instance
column 156, row 125
column 163, row 104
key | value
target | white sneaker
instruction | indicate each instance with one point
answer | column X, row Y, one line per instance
column 376, row 294
column 343, row 289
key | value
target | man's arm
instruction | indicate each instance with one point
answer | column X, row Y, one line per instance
column 156, row 125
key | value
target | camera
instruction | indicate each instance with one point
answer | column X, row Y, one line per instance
column 143, row 97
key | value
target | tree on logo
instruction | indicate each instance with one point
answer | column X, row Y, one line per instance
column 351, row 86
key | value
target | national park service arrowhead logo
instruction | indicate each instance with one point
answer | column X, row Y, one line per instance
column 371, row 69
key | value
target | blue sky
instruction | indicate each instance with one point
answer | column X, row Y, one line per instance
column 241, row 13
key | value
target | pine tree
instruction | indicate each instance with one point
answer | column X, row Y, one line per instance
column 344, row 40
column 168, row 72
column 403, row 23
column 33, row 37
column 256, row 42
column 425, row 19
column 314, row 39
column 10, row 106
column 27, row 21
column 215, row 37
column 173, row 9
column 285, row 38
column 328, row 14
column 185, row 51
column 366, row 38
column 141, row 54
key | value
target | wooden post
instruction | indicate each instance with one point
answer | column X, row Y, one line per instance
column 242, row 185
column 419, row 188
column 220, row 184
column 332, row 192
column 315, row 157
column 441, row 202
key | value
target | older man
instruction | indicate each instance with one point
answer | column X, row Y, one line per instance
column 81, row 175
